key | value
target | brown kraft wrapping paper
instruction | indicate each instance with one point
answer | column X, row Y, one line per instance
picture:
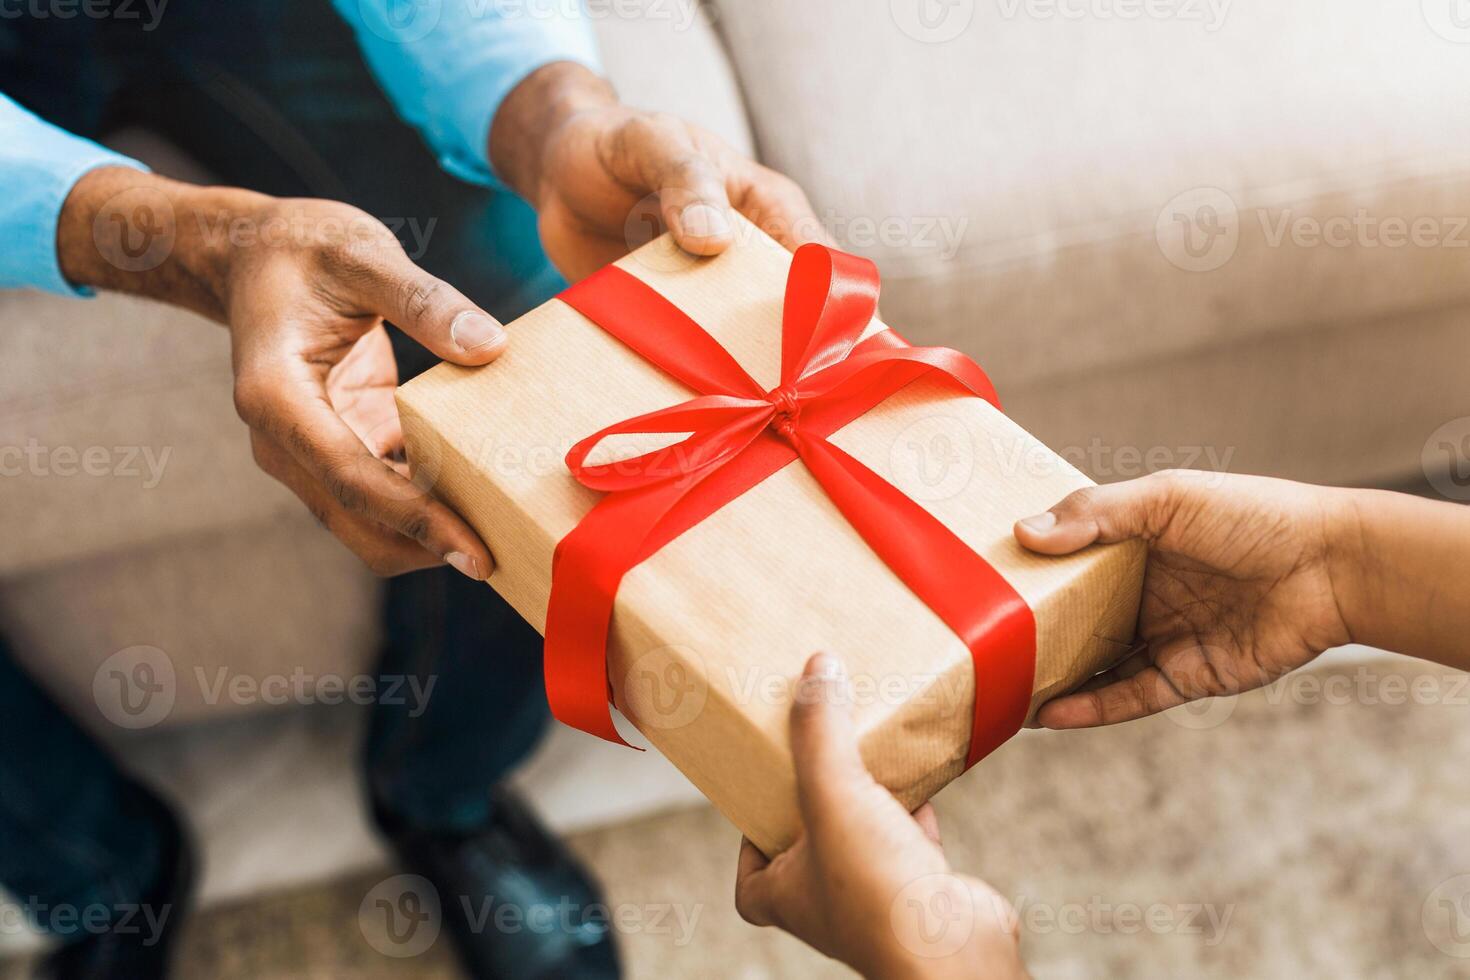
column 710, row 634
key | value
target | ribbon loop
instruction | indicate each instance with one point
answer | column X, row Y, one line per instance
column 831, row 297
column 718, row 425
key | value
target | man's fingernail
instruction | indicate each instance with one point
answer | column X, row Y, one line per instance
column 466, row 565
column 475, row 332
column 1041, row 523
column 825, row 667
column 704, row 221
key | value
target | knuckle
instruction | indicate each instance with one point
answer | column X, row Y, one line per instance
column 416, row 526
column 358, row 257
column 340, row 480
column 261, row 453
column 252, row 397
column 1170, row 478
column 418, row 297
column 640, row 131
column 321, row 515
column 660, row 123
column 1077, row 502
column 748, row 907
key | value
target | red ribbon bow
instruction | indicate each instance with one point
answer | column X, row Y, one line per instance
column 739, row 434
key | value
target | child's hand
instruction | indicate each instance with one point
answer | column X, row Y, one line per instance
column 866, row 882
column 1245, row 582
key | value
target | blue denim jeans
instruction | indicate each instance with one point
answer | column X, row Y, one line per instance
column 273, row 95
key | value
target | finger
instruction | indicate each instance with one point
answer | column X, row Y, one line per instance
column 928, row 821
column 694, row 206
column 387, row 283
column 1125, row 698
column 830, row 774
column 754, row 898
column 386, row 552
column 296, row 413
column 659, row 153
column 777, row 205
column 751, row 859
column 1106, row 514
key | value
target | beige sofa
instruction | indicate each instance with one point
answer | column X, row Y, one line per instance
column 1115, row 214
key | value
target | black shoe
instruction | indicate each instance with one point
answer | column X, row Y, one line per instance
column 136, row 946
column 515, row 901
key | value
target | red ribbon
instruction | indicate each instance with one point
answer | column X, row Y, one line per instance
column 739, row 435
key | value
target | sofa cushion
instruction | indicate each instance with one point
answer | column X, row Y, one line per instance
column 1026, row 171
column 665, row 55
column 220, row 623
column 117, row 427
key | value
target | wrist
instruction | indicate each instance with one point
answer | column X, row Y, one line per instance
column 533, row 113
column 130, row 231
column 1349, row 557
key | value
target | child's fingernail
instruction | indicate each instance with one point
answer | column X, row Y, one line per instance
column 1041, row 523
column 825, row 667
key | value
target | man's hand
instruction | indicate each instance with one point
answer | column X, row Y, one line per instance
column 864, row 874
column 304, row 287
column 1243, row 585
column 601, row 176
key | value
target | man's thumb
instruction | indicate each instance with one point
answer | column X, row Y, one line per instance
column 695, row 206
column 436, row 314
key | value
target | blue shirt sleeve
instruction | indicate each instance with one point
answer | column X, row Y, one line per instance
column 39, row 165
column 446, row 65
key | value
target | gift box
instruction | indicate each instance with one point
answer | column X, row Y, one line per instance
column 840, row 492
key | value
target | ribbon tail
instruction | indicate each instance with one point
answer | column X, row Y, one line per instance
column 586, row 569
column 962, row 588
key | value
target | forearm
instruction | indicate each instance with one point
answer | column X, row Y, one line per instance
column 133, row 232
column 1404, row 579
column 533, row 112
